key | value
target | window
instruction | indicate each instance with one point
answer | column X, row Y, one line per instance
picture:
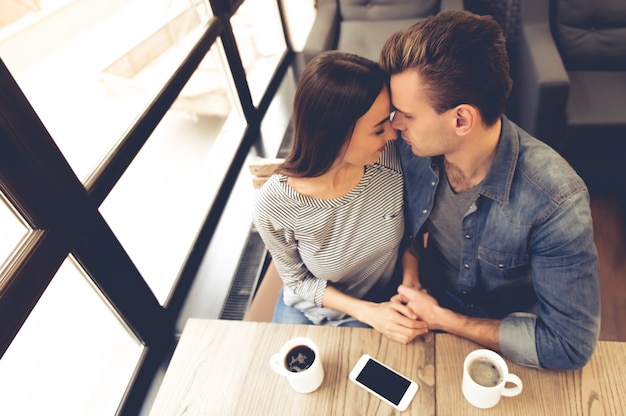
column 73, row 356
column 122, row 131
column 258, row 32
column 99, row 65
column 159, row 204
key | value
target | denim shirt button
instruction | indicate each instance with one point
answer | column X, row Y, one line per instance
column 466, row 266
column 424, row 211
column 467, row 236
column 500, row 265
column 464, row 292
column 433, row 183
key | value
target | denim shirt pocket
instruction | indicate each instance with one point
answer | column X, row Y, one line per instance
column 501, row 265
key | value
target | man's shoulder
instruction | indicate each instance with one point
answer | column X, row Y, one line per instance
column 544, row 168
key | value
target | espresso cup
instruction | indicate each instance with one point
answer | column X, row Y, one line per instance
column 300, row 363
column 485, row 375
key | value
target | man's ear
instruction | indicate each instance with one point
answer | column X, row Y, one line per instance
column 466, row 118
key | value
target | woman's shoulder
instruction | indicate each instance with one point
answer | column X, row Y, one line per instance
column 272, row 190
column 268, row 201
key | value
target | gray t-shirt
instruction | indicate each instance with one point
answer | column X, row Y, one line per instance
column 444, row 226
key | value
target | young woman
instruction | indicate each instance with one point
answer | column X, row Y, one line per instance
column 332, row 214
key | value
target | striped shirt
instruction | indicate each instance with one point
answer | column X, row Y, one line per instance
column 351, row 241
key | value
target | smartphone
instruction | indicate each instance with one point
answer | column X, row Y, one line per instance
column 385, row 383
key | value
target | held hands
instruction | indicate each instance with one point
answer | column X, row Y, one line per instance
column 480, row 330
column 420, row 303
column 410, row 293
column 395, row 320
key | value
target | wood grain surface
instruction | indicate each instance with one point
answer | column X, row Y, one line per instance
column 221, row 368
column 597, row 389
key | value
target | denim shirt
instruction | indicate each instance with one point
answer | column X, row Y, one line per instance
column 526, row 246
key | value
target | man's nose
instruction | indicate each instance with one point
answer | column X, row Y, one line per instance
column 395, row 123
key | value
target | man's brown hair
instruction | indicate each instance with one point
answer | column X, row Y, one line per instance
column 461, row 58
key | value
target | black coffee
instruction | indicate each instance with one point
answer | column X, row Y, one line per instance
column 299, row 358
column 484, row 372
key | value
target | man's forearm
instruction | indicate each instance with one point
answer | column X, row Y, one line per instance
column 481, row 330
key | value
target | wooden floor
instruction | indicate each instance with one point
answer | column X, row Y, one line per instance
column 610, row 237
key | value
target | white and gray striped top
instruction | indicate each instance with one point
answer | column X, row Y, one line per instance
column 351, row 241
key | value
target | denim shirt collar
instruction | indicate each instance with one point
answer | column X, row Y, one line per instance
column 503, row 165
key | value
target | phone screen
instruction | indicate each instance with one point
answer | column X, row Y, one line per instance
column 383, row 381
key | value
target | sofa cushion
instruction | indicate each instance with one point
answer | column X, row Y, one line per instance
column 387, row 9
column 366, row 38
column 596, row 109
column 590, row 34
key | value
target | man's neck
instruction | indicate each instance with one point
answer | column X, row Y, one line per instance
column 469, row 166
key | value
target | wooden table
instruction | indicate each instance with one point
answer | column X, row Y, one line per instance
column 598, row 389
column 221, row 368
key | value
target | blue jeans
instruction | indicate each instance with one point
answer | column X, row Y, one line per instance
column 287, row 315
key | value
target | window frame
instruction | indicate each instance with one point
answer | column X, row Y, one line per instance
column 63, row 212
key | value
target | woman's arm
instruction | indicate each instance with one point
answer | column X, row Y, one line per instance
column 410, row 269
column 278, row 235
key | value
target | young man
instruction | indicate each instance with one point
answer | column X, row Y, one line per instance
column 500, row 223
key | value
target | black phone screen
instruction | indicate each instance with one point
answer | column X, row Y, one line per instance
column 383, row 381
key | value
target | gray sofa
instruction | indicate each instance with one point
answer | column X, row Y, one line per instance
column 571, row 76
column 362, row 26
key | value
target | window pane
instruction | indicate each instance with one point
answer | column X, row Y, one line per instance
column 299, row 15
column 91, row 66
column 13, row 231
column 258, row 32
column 160, row 202
column 72, row 356
column 278, row 118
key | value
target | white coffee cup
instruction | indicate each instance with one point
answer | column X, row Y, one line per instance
column 485, row 375
column 300, row 362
